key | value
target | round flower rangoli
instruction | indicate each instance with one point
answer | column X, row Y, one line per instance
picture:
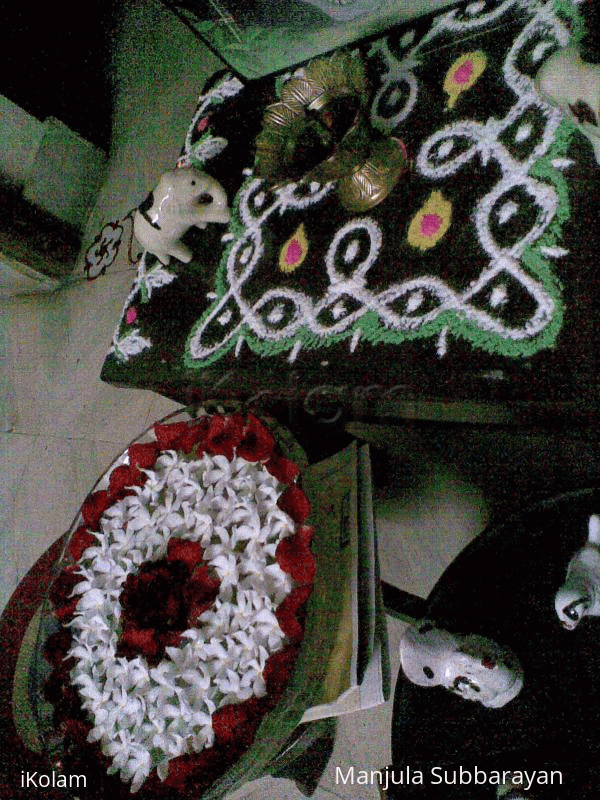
column 184, row 607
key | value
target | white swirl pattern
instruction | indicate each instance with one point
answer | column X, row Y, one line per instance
column 301, row 321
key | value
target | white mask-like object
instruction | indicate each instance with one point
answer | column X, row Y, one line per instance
column 580, row 594
column 472, row 667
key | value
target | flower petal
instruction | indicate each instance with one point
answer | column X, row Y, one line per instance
column 295, row 503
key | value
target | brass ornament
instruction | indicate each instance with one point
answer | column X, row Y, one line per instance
column 301, row 93
column 376, row 178
column 320, row 131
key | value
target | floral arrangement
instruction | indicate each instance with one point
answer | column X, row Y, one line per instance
column 183, row 606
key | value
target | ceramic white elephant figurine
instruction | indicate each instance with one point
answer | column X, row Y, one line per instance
column 184, row 197
column 579, row 596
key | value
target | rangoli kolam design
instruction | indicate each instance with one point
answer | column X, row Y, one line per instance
column 182, row 608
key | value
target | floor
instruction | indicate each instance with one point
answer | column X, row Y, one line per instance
column 60, row 426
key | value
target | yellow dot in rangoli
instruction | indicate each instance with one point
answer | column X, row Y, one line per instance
column 431, row 222
column 294, row 251
column 463, row 74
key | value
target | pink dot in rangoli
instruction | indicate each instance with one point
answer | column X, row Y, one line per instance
column 430, row 224
column 293, row 253
column 202, row 124
column 131, row 315
column 463, row 73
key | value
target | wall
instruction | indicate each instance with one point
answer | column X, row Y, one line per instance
column 49, row 181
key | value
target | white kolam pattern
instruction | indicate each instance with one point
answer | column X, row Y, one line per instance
column 143, row 716
column 289, row 320
column 208, row 146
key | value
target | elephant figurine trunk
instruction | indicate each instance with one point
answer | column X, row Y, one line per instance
column 184, row 198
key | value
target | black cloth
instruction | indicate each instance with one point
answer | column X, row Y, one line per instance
column 590, row 43
column 502, row 586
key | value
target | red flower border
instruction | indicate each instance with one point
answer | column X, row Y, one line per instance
column 235, row 725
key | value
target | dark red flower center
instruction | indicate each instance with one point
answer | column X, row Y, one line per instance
column 164, row 599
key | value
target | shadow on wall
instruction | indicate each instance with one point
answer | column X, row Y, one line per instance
column 426, row 512
column 49, row 181
column 64, row 64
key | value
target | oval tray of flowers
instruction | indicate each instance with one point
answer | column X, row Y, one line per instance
column 178, row 610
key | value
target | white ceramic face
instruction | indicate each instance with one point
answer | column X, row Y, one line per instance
column 572, row 602
column 579, row 596
column 472, row 667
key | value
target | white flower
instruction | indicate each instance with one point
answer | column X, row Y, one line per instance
column 139, row 518
column 226, row 566
column 138, row 767
column 138, row 672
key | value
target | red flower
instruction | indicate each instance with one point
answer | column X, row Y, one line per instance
column 257, row 443
column 168, row 435
column 277, row 671
column 143, row 455
column 169, row 639
column 294, row 556
column 221, row 435
column 62, row 588
column 66, row 612
column 180, row 769
column 203, row 576
column 153, row 596
column 94, row 506
column 185, row 550
column 287, row 610
column 199, row 769
column 282, row 468
column 80, row 541
column 235, row 724
column 305, row 534
column 139, row 640
column 224, row 435
column 123, row 477
column 199, row 593
column 194, row 436
column 295, row 503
